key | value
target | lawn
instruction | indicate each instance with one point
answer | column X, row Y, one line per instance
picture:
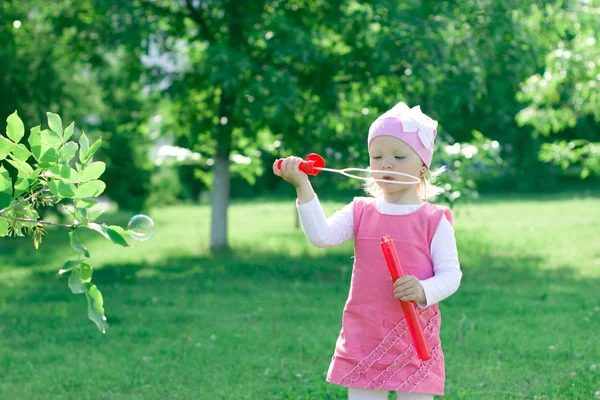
column 260, row 322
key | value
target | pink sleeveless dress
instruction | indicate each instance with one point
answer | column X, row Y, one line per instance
column 374, row 349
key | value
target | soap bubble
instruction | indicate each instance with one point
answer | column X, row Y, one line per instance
column 142, row 225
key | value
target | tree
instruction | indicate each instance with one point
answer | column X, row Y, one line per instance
column 81, row 59
column 314, row 74
column 45, row 65
column 252, row 71
column 563, row 100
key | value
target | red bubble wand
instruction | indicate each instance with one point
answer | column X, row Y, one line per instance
column 314, row 163
column 408, row 307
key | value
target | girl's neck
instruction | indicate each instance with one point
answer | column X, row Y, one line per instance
column 405, row 197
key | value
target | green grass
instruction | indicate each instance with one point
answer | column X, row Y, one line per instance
column 260, row 322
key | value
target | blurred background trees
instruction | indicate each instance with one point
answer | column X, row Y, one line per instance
column 201, row 96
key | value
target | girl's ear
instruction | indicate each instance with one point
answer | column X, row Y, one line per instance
column 423, row 169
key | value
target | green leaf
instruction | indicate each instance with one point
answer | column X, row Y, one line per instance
column 96, row 306
column 24, row 169
column 93, row 171
column 51, row 139
column 14, row 127
column 20, row 152
column 50, row 143
column 68, row 131
column 68, row 266
column 85, row 272
column 5, row 199
column 86, row 203
column 68, row 151
column 92, row 150
column 82, row 211
column 3, row 227
column 116, row 237
column 5, row 182
column 62, row 189
column 80, row 218
column 76, row 244
column 21, row 186
column 64, row 171
column 75, row 283
column 119, row 230
column 96, row 227
column 55, row 123
column 95, row 215
column 91, row 189
column 84, row 146
column 35, row 142
column 6, row 147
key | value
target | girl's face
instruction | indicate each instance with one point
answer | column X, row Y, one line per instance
column 388, row 153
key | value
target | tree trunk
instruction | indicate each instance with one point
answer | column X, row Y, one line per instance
column 221, row 181
column 221, row 175
column 220, row 203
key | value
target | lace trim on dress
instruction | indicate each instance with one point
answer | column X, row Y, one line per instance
column 406, row 357
column 385, row 345
column 413, row 380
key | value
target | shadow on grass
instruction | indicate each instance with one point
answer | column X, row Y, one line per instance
column 22, row 254
column 520, row 276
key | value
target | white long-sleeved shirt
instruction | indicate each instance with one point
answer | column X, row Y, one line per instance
column 337, row 229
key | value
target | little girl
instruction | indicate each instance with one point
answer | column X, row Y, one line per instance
column 374, row 353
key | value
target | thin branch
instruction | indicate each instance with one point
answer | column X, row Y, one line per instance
column 25, row 200
column 41, row 222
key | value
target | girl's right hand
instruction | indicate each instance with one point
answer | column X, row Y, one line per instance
column 289, row 171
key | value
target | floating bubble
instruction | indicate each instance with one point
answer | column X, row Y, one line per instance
column 142, row 226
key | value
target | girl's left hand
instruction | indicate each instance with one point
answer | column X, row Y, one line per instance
column 409, row 288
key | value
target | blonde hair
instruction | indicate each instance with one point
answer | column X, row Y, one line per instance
column 426, row 189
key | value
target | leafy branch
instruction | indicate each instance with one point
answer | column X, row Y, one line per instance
column 51, row 169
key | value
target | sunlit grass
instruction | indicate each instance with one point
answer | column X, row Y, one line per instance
column 260, row 321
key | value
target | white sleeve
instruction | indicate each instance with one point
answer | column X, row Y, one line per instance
column 325, row 232
column 446, row 267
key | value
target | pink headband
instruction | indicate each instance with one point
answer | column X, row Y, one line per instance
column 409, row 125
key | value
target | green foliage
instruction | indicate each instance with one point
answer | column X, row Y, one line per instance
column 72, row 58
column 47, row 63
column 166, row 187
column 564, row 97
column 268, row 79
column 579, row 152
column 468, row 164
column 317, row 82
column 125, row 130
column 59, row 170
